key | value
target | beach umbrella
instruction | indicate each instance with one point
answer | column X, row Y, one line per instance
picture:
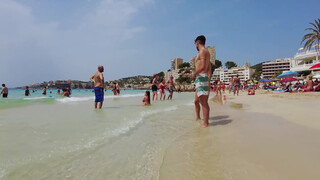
column 314, row 67
column 287, row 74
column 289, row 79
column 264, row 80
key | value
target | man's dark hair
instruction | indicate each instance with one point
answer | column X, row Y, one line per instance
column 201, row 39
column 3, row 85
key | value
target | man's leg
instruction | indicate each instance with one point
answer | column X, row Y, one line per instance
column 153, row 96
column 205, row 109
column 197, row 106
column 100, row 104
column 95, row 105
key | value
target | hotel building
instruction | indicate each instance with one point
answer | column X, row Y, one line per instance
column 278, row 65
column 303, row 60
column 175, row 63
column 244, row 72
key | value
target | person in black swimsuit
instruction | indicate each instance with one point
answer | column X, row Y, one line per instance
column 155, row 87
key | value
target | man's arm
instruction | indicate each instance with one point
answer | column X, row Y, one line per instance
column 92, row 77
column 209, row 71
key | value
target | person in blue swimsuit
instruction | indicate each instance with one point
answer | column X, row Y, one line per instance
column 98, row 80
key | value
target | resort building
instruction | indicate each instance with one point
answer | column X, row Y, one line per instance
column 212, row 51
column 272, row 67
column 174, row 73
column 244, row 72
column 303, row 60
column 175, row 63
column 215, row 74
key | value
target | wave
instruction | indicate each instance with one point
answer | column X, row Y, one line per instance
column 79, row 99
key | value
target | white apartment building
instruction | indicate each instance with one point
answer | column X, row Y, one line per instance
column 303, row 60
column 244, row 72
column 278, row 65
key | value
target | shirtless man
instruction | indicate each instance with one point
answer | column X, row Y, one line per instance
column 98, row 80
column 171, row 87
column 27, row 92
column 309, row 84
column 4, row 91
column 236, row 85
column 44, row 91
column 230, row 84
column 202, row 77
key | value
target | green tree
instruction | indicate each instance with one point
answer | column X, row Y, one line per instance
column 230, row 64
column 184, row 65
column 161, row 75
column 313, row 37
column 258, row 71
column 217, row 64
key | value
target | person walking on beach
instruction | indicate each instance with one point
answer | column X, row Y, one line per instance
column 98, row 80
column 230, row 84
column 202, row 77
column 4, row 91
column 171, row 87
column 236, row 85
column 155, row 87
column 27, row 92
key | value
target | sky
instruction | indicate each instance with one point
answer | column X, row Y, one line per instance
column 43, row 40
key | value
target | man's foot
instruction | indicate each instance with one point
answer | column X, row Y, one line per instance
column 204, row 125
column 197, row 119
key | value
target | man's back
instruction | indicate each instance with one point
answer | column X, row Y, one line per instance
column 98, row 79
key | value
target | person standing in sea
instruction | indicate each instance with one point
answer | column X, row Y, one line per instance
column 202, row 77
column 27, row 92
column 155, row 87
column 4, row 91
column 44, row 91
column 98, row 80
column 171, row 87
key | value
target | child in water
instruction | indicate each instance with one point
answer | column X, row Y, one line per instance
column 146, row 99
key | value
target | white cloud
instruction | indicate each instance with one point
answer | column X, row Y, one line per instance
column 36, row 51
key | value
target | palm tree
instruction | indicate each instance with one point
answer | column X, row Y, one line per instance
column 313, row 37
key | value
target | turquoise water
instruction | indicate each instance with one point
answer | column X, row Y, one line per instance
column 17, row 98
column 46, row 137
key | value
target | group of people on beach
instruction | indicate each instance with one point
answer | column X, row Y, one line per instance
column 219, row 86
column 201, row 77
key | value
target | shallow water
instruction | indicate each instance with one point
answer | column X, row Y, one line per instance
column 68, row 139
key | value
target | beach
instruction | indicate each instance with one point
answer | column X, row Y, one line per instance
column 266, row 136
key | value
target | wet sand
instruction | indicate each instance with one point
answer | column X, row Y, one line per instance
column 249, row 138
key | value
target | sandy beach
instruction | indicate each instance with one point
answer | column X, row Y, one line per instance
column 266, row 136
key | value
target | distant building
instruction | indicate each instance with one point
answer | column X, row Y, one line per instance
column 244, row 72
column 278, row 65
column 304, row 59
column 192, row 63
column 212, row 51
column 216, row 74
column 174, row 73
column 175, row 63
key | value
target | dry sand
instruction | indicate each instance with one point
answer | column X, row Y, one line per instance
column 266, row 136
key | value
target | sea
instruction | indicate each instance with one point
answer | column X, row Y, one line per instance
column 54, row 137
